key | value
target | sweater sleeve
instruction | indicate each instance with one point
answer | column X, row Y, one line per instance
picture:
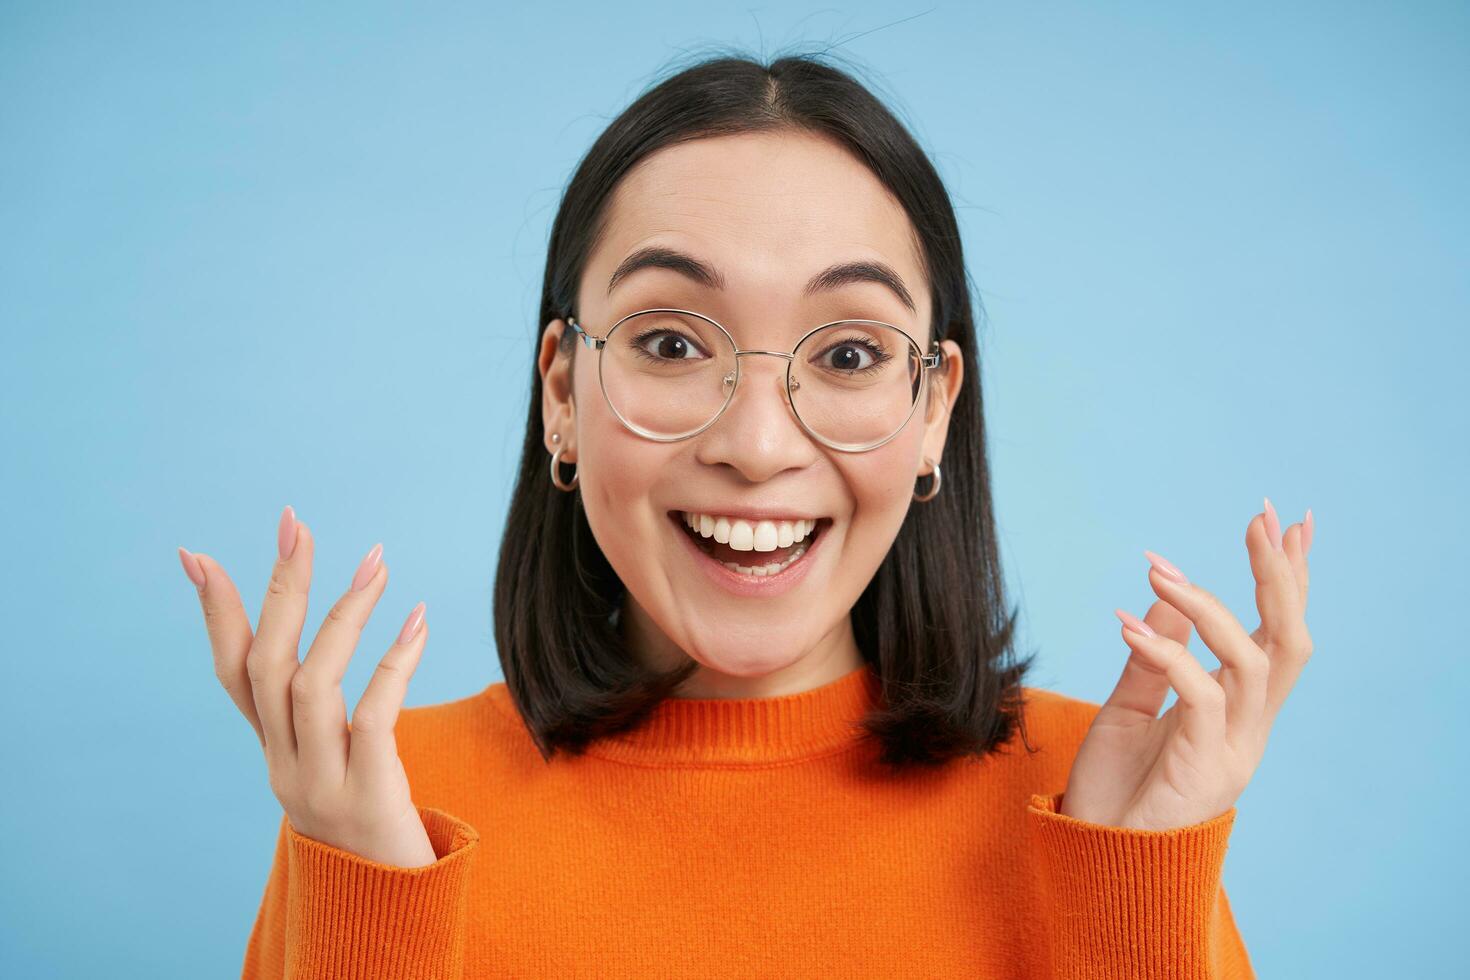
column 1123, row 902
column 329, row 913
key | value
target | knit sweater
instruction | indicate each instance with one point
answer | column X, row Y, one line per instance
column 743, row 838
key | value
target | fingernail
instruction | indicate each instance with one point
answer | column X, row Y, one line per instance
column 1165, row 567
column 367, row 568
column 192, row 568
column 1307, row 526
column 1135, row 624
column 1273, row 525
column 286, row 533
column 411, row 625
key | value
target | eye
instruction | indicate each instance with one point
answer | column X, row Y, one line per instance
column 853, row 355
column 666, row 345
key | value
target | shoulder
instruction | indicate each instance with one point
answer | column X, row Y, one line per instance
column 443, row 741
column 1055, row 726
column 1057, row 715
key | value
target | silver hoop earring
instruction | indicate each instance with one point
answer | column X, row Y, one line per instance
column 556, row 473
column 934, row 490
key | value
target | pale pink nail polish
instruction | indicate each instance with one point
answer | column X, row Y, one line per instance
column 1134, row 623
column 1165, row 567
column 368, row 567
column 411, row 625
column 286, row 533
column 1273, row 526
column 192, row 568
column 1307, row 525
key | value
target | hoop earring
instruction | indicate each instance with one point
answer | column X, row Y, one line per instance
column 934, row 490
column 556, row 474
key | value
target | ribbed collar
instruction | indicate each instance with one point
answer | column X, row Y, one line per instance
column 749, row 731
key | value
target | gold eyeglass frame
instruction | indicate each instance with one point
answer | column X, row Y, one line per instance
column 927, row 363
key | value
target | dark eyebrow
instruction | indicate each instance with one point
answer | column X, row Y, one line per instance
column 841, row 274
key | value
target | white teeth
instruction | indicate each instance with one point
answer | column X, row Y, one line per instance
column 761, row 571
column 743, row 535
column 765, row 536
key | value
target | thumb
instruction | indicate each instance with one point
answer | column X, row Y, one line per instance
column 1170, row 622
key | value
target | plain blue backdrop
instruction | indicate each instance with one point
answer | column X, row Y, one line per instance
column 255, row 255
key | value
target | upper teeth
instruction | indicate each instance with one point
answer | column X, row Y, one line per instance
column 743, row 535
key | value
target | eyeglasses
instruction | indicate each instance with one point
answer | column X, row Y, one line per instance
column 669, row 374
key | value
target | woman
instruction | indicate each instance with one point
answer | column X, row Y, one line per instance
column 761, row 712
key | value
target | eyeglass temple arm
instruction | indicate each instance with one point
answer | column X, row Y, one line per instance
column 591, row 341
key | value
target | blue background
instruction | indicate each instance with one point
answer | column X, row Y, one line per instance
column 263, row 255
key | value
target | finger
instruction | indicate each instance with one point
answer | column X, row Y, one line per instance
column 1168, row 621
column 229, row 636
column 1297, row 542
column 372, row 760
column 1279, row 600
column 1142, row 689
column 1204, row 700
column 1244, row 666
column 272, row 660
column 1278, row 596
column 318, row 712
column 1285, row 672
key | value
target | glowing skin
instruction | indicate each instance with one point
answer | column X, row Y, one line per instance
column 768, row 211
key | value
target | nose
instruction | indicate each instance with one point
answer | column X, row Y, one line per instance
column 758, row 434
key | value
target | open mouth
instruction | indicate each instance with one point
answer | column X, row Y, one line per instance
column 749, row 551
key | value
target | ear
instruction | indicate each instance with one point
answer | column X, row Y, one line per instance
column 558, row 409
column 944, row 388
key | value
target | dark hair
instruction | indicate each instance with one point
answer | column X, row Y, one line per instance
column 931, row 622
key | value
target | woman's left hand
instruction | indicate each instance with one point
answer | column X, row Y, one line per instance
column 1137, row 769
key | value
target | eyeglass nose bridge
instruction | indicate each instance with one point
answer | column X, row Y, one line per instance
column 792, row 383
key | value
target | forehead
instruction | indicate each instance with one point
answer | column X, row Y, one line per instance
column 767, row 209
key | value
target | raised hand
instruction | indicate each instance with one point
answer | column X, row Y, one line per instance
column 341, row 784
column 1137, row 769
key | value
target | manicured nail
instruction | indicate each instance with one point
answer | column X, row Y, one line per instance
column 411, row 625
column 1165, row 567
column 192, row 568
column 368, row 568
column 286, row 533
column 1307, row 526
column 1134, row 623
column 1273, row 525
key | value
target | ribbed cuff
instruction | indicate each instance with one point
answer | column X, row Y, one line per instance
column 352, row 917
column 1127, row 902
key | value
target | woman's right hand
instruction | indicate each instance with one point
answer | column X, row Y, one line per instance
column 341, row 784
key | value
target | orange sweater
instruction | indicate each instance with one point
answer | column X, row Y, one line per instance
column 755, row 837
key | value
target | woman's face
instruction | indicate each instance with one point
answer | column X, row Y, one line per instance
column 766, row 213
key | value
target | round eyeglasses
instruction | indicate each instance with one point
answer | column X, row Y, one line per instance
column 669, row 374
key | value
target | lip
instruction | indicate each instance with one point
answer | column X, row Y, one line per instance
column 746, row 585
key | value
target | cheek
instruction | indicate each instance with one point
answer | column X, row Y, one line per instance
column 882, row 487
column 618, row 475
column 882, row 480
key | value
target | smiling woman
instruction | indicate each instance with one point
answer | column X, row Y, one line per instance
column 761, row 714
column 767, row 206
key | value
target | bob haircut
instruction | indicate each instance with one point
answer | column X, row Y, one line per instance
column 930, row 622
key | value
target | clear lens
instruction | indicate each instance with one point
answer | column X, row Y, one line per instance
column 668, row 374
column 665, row 373
column 855, row 383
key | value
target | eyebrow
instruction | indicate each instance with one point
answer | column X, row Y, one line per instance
column 841, row 274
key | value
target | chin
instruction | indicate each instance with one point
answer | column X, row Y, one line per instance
column 740, row 663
